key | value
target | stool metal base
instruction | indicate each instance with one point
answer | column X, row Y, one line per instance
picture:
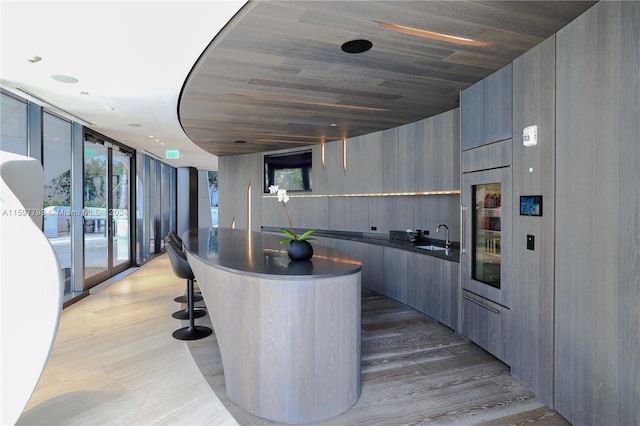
column 184, row 315
column 197, row 297
column 192, row 333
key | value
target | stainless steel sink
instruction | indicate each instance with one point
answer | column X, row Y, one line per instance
column 432, row 248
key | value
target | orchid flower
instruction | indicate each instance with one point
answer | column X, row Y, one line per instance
column 284, row 198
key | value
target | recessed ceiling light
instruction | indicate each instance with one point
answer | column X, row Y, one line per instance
column 64, row 78
column 134, row 124
column 151, row 136
column 34, row 59
column 161, row 143
column 109, row 108
column 333, row 124
column 357, row 46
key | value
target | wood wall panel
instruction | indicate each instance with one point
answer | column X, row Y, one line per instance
column 596, row 226
column 393, row 160
column 238, row 172
column 429, row 212
column 408, row 137
column 364, row 172
column 533, row 271
column 389, row 213
column 575, row 256
column 629, row 222
column 332, row 179
column 348, row 213
column 388, row 167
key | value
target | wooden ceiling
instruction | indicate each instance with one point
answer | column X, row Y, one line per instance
column 276, row 76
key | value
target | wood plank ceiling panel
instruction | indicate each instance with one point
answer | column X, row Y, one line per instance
column 277, row 78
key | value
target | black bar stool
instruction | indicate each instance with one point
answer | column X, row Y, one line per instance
column 197, row 297
column 184, row 314
column 181, row 269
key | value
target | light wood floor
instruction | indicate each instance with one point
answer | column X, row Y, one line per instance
column 115, row 362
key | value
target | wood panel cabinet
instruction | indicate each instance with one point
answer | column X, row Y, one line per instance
column 428, row 153
column 437, row 291
column 437, row 155
column 486, row 110
column 395, row 272
column 425, row 283
column 372, row 267
column 449, row 294
column 486, row 324
column 370, row 255
column 497, row 105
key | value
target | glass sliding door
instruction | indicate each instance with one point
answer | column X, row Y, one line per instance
column 121, row 195
column 95, row 206
column 107, row 210
column 57, row 191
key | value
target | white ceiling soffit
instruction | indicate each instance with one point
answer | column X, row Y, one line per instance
column 130, row 60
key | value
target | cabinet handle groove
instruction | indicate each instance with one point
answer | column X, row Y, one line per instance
column 494, row 310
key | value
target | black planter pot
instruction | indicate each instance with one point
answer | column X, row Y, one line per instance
column 300, row 250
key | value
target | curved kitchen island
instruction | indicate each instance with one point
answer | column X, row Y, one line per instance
column 288, row 331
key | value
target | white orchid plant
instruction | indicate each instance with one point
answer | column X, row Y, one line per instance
column 291, row 235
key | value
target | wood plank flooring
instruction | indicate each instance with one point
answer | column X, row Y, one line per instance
column 114, row 361
column 414, row 371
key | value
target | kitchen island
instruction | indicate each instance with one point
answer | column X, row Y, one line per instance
column 288, row 331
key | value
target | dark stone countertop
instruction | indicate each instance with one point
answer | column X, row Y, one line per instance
column 261, row 254
column 452, row 255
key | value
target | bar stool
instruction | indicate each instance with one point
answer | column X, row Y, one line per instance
column 197, row 297
column 184, row 314
column 181, row 269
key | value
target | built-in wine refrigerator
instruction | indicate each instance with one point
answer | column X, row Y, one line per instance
column 486, row 216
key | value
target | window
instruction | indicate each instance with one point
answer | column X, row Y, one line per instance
column 57, row 190
column 290, row 171
column 13, row 125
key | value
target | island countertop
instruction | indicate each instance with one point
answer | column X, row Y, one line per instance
column 288, row 331
column 261, row 254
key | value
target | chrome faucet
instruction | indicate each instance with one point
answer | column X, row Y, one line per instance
column 447, row 242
